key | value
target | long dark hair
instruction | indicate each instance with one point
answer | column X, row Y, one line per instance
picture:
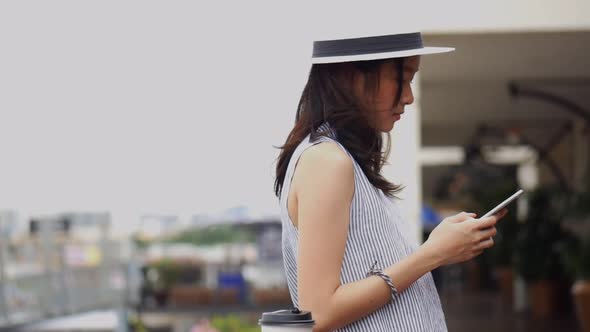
column 328, row 97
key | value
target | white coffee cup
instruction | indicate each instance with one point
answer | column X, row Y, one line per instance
column 293, row 320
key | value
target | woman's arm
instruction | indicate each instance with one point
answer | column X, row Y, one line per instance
column 324, row 186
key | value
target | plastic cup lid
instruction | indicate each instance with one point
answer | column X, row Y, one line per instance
column 287, row 317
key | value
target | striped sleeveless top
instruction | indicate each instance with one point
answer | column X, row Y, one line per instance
column 376, row 232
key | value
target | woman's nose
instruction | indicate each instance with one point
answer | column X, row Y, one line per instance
column 408, row 96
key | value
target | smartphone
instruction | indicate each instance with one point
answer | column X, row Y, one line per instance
column 503, row 204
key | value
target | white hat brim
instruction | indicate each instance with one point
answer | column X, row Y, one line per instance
column 383, row 55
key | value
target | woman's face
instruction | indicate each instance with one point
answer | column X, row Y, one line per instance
column 384, row 111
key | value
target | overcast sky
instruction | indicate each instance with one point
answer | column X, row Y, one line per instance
column 170, row 106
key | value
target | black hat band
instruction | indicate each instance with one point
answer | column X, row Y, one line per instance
column 367, row 45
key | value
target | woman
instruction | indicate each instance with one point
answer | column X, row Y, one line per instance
column 350, row 258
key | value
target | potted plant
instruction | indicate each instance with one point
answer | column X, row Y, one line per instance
column 190, row 289
column 537, row 257
column 162, row 275
column 576, row 254
column 502, row 254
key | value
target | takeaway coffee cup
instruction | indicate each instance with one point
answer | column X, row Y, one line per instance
column 293, row 320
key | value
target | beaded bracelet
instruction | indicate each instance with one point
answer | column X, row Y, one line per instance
column 378, row 272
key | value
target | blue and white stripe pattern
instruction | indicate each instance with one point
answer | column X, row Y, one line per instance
column 376, row 232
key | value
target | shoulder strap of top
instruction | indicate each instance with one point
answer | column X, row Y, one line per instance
column 304, row 145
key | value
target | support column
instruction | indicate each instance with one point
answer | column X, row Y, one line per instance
column 403, row 163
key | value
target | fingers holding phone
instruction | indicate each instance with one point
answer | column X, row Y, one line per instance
column 490, row 221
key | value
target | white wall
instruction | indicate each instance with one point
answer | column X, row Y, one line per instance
column 403, row 164
column 504, row 15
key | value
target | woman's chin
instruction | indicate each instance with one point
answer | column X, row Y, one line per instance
column 385, row 128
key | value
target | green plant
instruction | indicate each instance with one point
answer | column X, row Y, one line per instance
column 139, row 241
column 502, row 254
column 576, row 258
column 233, row 323
column 576, row 251
column 135, row 324
column 540, row 236
column 167, row 273
column 212, row 235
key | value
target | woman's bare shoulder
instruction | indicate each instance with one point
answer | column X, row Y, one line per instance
column 325, row 163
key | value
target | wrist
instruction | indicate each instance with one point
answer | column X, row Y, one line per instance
column 431, row 255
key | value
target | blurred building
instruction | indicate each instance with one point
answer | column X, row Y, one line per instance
column 515, row 63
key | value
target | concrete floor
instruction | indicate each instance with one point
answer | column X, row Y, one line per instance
column 485, row 312
column 466, row 311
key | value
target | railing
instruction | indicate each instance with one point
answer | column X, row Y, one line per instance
column 50, row 273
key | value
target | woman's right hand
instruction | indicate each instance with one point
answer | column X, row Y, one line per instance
column 461, row 237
